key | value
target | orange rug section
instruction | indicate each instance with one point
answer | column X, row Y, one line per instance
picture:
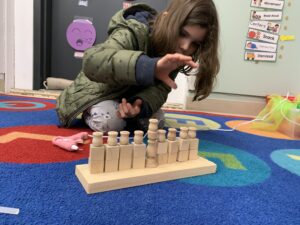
column 246, row 128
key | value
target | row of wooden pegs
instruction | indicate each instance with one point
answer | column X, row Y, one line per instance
column 162, row 148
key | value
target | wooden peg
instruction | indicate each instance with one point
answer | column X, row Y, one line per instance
column 97, row 139
column 171, row 134
column 183, row 132
column 124, row 137
column 192, row 132
column 153, row 124
column 112, row 138
column 152, row 135
column 161, row 135
column 138, row 137
column 152, row 148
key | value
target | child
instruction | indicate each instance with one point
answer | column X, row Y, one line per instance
column 125, row 80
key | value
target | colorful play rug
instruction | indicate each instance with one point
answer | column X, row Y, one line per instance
column 257, row 179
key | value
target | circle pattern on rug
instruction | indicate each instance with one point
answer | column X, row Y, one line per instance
column 179, row 120
column 235, row 167
column 13, row 105
column 33, row 144
column 243, row 126
column 288, row 159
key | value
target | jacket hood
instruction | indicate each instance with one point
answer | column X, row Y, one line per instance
column 119, row 21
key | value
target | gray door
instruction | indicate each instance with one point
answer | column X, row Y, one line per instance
column 63, row 62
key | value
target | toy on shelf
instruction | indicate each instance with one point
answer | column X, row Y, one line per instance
column 291, row 123
column 280, row 114
column 116, row 165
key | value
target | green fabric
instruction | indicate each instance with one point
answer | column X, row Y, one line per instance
column 108, row 70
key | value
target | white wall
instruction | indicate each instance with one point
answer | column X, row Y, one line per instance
column 2, row 35
column 24, row 44
column 238, row 76
column 7, row 41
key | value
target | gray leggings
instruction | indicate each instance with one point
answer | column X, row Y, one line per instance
column 103, row 117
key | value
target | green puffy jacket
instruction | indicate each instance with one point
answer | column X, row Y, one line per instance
column 108, row 70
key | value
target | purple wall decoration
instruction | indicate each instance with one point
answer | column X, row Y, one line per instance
column 81, row 34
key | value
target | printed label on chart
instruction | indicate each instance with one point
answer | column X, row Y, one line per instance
column 262, row 36
column 260, row 46
column 260, row 56
column 83, row 3
column 266, row 15
column 265, row 26
column 268, row 4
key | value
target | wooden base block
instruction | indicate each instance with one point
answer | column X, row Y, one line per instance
column 151, row 162
column 172, row 158
column 183, row 156
column 193, row 154
column 138, row 163
column 101, row 182
column 162, row 158
column 96, row 166
column 111, row 166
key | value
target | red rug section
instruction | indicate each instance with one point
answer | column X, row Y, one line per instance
column 23, row 106
column 18, row 147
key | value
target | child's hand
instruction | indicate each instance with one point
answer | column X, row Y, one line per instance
column 127, row 110
column 170, row 62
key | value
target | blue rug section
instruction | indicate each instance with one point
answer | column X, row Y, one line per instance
column 288, row 159
column 24, row 117
column 235, row 167
column 250, row 186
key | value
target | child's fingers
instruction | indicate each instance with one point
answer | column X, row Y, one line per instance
column 192, row 64
column 130, row 110
column 168, row 81
column 138, row 103
column 121, row 111
column 181, row 60
column 118, row 114
column 124, row 105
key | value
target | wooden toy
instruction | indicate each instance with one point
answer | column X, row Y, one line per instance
column 194, row 143
column 139, row 150
column 151, row 159
column 162, row 148
column 184, row 144
column 112, row 152
column 121, row 165
column 126, row 150
column 97, row 154
column 173, row 145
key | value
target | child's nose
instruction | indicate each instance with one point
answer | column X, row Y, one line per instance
column 185, row 45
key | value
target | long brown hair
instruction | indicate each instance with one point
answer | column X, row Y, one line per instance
column 166, row 30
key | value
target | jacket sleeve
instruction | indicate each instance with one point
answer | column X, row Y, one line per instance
column 113, row 62
column 156, row 95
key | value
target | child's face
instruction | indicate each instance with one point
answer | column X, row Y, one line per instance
column 190, row 38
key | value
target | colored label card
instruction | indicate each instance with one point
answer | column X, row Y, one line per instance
column 262, row 36
column 260, row 56
column 260, row 46
column 287, row 37
column 83, row 3
column 265, row 26
column 268, row 4
column 266, row 15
